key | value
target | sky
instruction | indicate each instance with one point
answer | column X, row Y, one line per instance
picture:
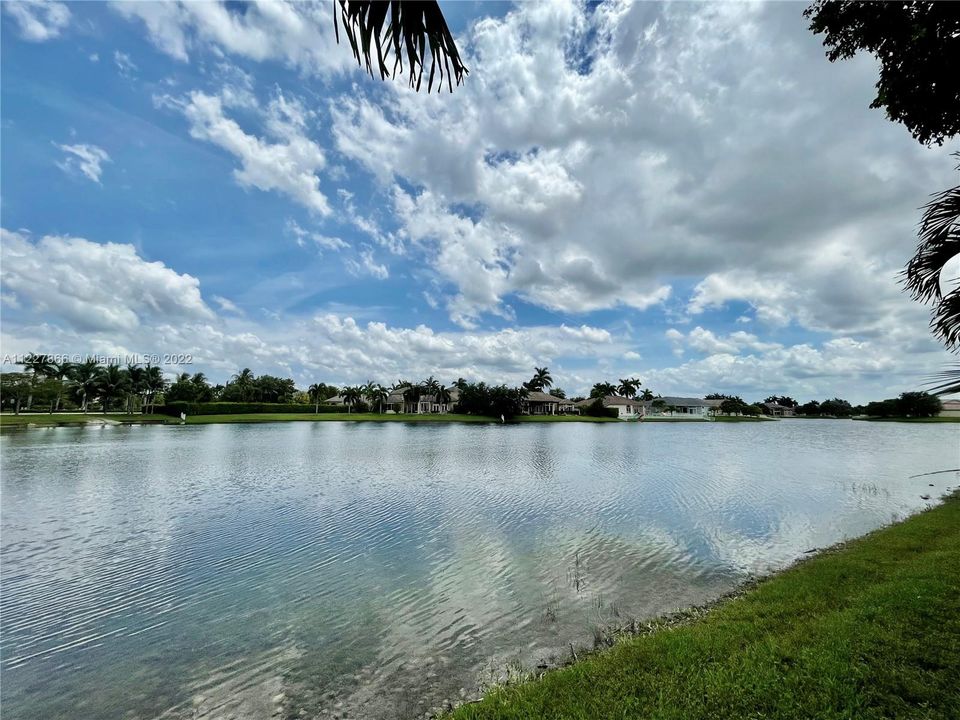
column 686, row 193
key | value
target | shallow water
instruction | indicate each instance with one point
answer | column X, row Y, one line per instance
column 377, row 570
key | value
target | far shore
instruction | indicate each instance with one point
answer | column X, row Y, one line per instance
column 77, row 419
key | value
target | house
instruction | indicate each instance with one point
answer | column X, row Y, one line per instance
column 681, row 407
column 420, row 405
column 541, row 403
column 627, row 408
column 777, row 410
column 951, row 408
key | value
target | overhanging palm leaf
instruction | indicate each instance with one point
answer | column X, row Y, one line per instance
column 412, row 26
column 939, row 243
column 945, row 382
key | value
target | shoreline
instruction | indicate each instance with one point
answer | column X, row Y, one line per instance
column 45, row 420
column 799, row 642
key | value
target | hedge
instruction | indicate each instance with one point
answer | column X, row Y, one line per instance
column 240, row 408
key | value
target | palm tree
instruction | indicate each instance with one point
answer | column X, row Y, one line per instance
column 60, row 372
column 314, row 391
column 111, row 382
column 939, row 243
column 351, row 396
column 411, row 394
column 39, row 366
column 628, row 387
column 412, row 26
column 244, row 380
column 541, row 379
column 646, row 395
column 601, row 390
column 153, row 384
column 85, row 378
column 135, row 388
column 443, row 396
column 376, row 394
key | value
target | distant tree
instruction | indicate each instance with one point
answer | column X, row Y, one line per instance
column 135, row 384
column 919, row 404
column 154, row 384
column 751, row 410
column 717, row 396
column 784, row 400
column 659, row 404
column 628, row 387
column 836, row 408
column 39, row 367
column 243, row 382
column 352, row 396
column 916, row 44
column 203, row 391
column 112, row 382
column 541, row 379
column 602, row 390
column 646, row 395
column 16, row 387
column 376, row 395
column 811, row 408
column 61, row 373
column 318, row 392
column 85, row 378
column 182, row 389
column 558, row 393
column 733, row 406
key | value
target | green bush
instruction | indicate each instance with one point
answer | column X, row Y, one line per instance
column 597, row 409
column 242, row 408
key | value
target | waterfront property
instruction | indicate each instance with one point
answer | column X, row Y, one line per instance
column 626, row 408
column 950, row 409
column 682, row 407
column 778, row 410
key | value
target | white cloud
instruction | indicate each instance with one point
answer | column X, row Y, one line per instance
column 323, row 242
column 286, row 160
column 227, row 305
column 366, row 265
column 603, row 152
column 84, row 159
column 125, row 65
column 94, row 286
column 299, row 34
column 38, row 20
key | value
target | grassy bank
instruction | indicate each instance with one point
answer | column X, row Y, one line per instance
column 741, row 418
column 911, row 420
column 868, row 630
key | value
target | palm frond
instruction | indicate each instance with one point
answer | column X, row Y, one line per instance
column 413, row 26
column 939, row 243
column 945, row 382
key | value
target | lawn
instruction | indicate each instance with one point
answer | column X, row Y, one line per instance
column 911, row 420
column 864, row 631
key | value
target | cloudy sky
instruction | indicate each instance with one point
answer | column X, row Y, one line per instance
column 687, row 193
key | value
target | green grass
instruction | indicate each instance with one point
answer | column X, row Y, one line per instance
column 911, row 420
column 47, row 420
column 741, row 418
column 376, row 417
column 865, row 631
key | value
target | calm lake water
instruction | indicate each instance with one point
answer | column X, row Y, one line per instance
column 373, row 571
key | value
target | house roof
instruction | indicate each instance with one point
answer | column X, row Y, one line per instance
column 537, row 396
column 609, row 401
column 683, row 402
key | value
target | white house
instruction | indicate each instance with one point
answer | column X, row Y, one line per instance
column 679, row 407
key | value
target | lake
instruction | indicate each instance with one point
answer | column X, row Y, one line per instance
column 375, row 571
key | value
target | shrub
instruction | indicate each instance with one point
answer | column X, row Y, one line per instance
column 597, row 409
column 240, row 408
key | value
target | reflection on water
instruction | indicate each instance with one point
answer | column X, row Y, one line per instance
column 377, row 570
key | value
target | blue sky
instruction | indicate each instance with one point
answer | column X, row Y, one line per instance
column 690, row 194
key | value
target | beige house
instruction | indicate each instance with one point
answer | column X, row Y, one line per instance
column 951, row 408
column 541, row 403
